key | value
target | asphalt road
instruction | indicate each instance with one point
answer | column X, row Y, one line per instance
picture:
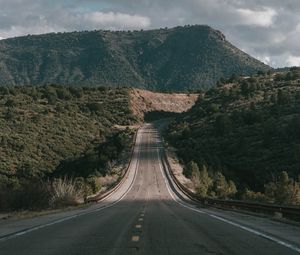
column 146, row 216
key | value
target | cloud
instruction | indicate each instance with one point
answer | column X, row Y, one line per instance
column 293, row 61
column 58, row 21
column 116, row 20
column 265, row 59
column 262, row 18
column 267, row 29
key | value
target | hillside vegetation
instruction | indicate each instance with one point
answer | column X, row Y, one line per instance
column 60, row 144
column 57, row 131
column 246, row 130
column 180, row 58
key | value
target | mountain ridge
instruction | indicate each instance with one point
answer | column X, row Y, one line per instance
column 176, row 59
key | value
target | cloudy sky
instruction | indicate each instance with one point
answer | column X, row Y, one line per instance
column 266, row 29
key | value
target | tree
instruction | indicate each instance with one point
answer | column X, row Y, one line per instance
column 95, row 107
column 233, row 78
column 9, row 114
column 220, row 186
column 279, row 77
column 269, row 130
column 4, row 91
column 284, row 191
column 282, row 97
column 222, row 124
column 195, row 174
column 231, row 190
column 245, row 89
column 222, row 80
column 261, row 73
column 254, row 196
column 10, row 103
column 191, row 169
column 253, row 87
column 63, row 93
column 274, row 98
column 213, row 108
column 50, row 94
column 204, row 182
column 293, row 128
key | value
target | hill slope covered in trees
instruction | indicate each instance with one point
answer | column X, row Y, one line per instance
column 247, row 130
column 180, row 58
column 61, row 130
column 50, row 132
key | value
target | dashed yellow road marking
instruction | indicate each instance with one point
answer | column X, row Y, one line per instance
column 141, row 219
column 135, row 238
column 138, row 226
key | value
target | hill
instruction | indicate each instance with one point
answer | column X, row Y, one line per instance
column 44, row 128
column 177, row 59
column 50, row 132
column 247, row 129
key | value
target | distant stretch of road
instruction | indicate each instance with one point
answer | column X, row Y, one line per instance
column 148, row 215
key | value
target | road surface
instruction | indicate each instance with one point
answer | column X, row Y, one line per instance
column 147, row 216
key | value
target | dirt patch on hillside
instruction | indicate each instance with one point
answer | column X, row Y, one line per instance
column 143, row 101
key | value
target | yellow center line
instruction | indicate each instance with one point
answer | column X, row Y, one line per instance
column 141, row 219
column 138, row 226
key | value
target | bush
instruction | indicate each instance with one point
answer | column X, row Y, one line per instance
column 64, row 192
column 94, row 107
column 191, row 169
column 223, row 124
column 36, row 195
column 4, row 91
column 50, row 94
column 10, row 103
column 205, row 185
column 94, row 184
column 253, row 196
column 293, row 128
column 282, row 97
column 222, row 189
column 204, row 182
column 63, row 93
column 213, row 108
column 77, row 92
column 25, row 196
column 284, row 190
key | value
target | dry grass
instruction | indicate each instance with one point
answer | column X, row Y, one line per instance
column 65, row 192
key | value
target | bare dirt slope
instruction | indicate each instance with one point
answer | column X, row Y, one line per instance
column 143, row 101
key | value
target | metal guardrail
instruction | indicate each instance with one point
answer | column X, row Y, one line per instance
column 289, row 212
column 118, row 183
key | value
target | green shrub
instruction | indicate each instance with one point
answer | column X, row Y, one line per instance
column 221, row 188
column 94, row 184
column 204, row 182
column 63, row 93
column 191, row 169
column 284, row 190
column 254, row 196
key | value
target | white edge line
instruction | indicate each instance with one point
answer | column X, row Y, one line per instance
column 258, row 233
column 20, row 233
